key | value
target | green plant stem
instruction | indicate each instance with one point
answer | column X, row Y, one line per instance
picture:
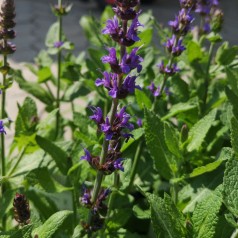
column 3, row 114
column 207, row 78
column 59, row 57
column 135, row 163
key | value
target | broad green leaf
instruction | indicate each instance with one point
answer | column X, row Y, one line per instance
column 205, row 215
column 42, row 176
column 167, row 220
column 142, row 99
column 231, row 186
column 44, row 74
column 194, row 51
column 226, row 55
column 52, row 225
column 232, row 77
column 233, row 98
column 24, row 232
column 58, row 155
column 199, row 131
column 231, row 220
column 172, row 140
column 140, row 213
column 27, row 118
column 47, row 127
column 154, row 134
column 179, row 108
column 74, row 91
column 234, row 133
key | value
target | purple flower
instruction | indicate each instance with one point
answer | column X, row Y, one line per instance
column 139, row 122
column 122, row 120
column 86, row 198
column 97, row 116
column 106, row 81
column 58, row 44
column 118, row 164
column 131, row 61
column 106, row 128
column 129, row 84
column 111, row 58
column 155, row 91
column 113, row 29
column 169, row 70
column 178, row 48
column 132, row 32
column 2, row 129
column 87, row 156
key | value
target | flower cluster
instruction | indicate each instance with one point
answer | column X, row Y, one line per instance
column 7, row 24
column 180, row 26
column 119, row 82
column 212, row 15
column 97, row 208
column 113, row 132
column 156, row 91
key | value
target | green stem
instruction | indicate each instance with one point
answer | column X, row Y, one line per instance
column 207, row 78
column 3, row 114
column 59, row 56
column 135, row 164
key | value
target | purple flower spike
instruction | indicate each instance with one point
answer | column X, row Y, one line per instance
column 131, row 61
column 2, row 129
column 97, row 116
column 118, row 164
column 87, row 156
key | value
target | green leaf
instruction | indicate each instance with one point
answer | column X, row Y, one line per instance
column 154, row 134
column 167, row 220
column 42, row 176
column 140, row 213
column 52, row 225
column 172, row 140
column 199, row 131
column 231, row 186
column 225, row 54
column 234, row 133
column 27, row 118
column 232, row 76
column 24, row 232
column 179, row 108
column 205, row 215
column 233, row 98
column 194, row 51
column 142, row 99
column 44, row 74
column 52, row 35
column 59, row 156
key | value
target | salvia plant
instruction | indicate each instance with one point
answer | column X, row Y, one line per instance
column 136, row 140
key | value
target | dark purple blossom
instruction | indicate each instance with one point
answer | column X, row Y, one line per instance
column 86, row 198
column 129, row 84
column 154, row 90
column 122, row 120
column 106, row 129
column 118, row 164
column 87, row 156
column 97, row 116
column 2, row 129
column 113, row 29
column 132, row 32
column 128, row 14
column 169, row 70
column 106, row 81
column 131, row 61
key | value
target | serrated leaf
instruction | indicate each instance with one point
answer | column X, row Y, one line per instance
column 205, row 215
column 234, row 133
column 172, row 140
column 142, row 99
column 199, row 131
column 232, row 77
column 231, row 186
column 26, row 118
column 233, row 98
column 226, row 55
column 52, row 225
column 167, row 220
column 58, row 155
column 154, row 134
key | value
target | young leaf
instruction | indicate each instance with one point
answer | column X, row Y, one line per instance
column 194, row 51
column 154, row 134
column 167, row 220
column 234, row 133
column 231, row 186
column 198, row 132
column 58, row 155
column 205, row 215
column 52, row 225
